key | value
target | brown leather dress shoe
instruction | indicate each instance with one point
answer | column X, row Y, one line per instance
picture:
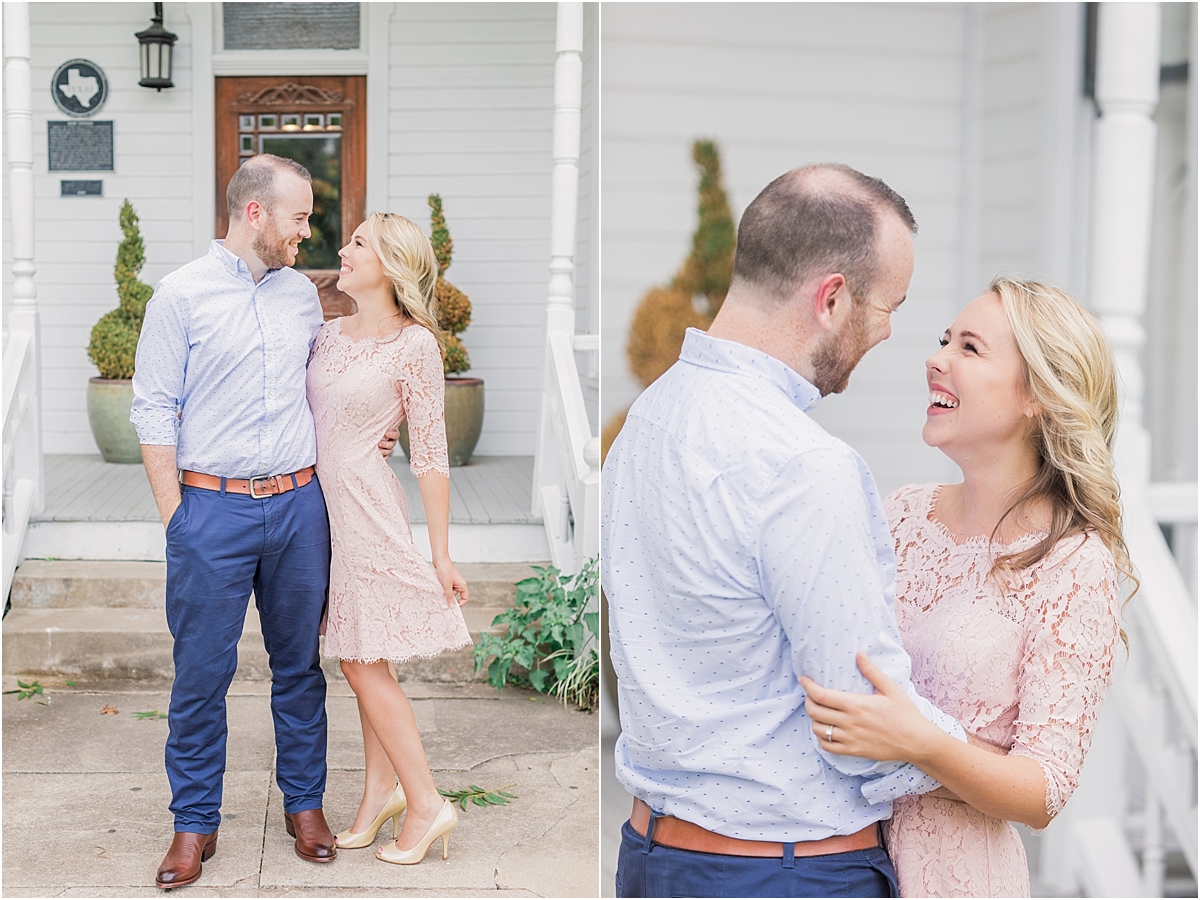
column 314, row 840
column 182, row 864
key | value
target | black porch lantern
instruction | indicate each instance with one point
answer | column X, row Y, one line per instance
column 157, row 47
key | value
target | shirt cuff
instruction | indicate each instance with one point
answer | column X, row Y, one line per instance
column 906, row 780
column 154, row 427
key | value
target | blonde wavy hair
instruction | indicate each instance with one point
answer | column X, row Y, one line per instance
column 409, row 264
column 1071, row 374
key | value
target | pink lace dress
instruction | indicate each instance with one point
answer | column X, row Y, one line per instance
column 385, row 600
column 1026, row 669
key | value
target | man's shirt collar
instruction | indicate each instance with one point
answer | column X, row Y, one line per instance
column 701, row 349
column 233, row 263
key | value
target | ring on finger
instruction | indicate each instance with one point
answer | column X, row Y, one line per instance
column 829, row 734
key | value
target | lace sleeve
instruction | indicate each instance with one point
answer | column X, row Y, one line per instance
column 1067, row 665
column 422, row 393
column 312, row 348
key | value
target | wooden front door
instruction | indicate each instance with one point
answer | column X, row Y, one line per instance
column 319, row 121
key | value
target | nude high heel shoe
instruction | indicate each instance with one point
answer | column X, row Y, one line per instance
column 396, row 804
column 441, row 828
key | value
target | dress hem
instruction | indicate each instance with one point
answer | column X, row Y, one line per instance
column 369, row 660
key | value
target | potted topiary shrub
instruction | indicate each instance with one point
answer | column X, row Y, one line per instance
column 694, row 296
column 464, row 396
column 113, row 347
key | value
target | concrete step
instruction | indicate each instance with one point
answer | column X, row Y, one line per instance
column 59, row 584
column 107, row 620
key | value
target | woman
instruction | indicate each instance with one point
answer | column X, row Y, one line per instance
column 1006, row 592
column 386, row 604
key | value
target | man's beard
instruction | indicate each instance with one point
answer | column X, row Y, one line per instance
column 837, row 356
column 271, row 246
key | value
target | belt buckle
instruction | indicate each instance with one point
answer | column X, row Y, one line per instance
column 261, row 496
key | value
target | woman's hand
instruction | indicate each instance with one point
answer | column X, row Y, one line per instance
column 387, row 443
column 883, row 726
column 452, row 583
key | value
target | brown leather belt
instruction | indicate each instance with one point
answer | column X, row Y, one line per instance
column 258, row 488
column 672, row 832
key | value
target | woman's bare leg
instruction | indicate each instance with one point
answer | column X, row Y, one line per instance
column 380, row 779
column 382, row 704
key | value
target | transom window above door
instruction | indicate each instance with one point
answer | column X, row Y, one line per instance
column 290, row 26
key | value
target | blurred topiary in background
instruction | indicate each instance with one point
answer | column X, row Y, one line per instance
column 113, row 345
column 454, row 309
column 693, row 296
column 709, row 267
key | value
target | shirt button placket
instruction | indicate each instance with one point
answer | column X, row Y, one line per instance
column 264, row 434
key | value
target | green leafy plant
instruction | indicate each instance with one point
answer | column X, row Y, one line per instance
column 150, row 714
column 581, row 685
column 454, row 309
column 33, row 689
column 113, row 344
column 479, row 796
column 550, row 644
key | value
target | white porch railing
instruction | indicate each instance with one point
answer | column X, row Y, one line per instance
column 22, row 455
column 1137, row 797
column 566, row 469
column 1174, row 505
column 22, row 451
column 1156, row 699
column 1137, row 794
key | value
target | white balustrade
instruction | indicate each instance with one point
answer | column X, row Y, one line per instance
column 22, row 454
column 1152, row 720
column 1174, row 505
column 566, row 472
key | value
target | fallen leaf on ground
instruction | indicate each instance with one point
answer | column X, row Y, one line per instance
column 108, row 711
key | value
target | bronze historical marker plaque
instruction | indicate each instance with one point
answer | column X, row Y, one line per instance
column 81, row 146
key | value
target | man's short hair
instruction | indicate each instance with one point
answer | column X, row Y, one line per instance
column 255, row 180
column 812, row 221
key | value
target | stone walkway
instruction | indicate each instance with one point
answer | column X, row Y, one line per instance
column 85, row 797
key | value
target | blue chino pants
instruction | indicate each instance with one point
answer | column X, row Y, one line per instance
column 646, row 869
column 220, row 546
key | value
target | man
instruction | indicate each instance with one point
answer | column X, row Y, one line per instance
column 743, row 547
column 220, row 408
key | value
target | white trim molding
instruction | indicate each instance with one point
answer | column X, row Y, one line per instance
column 291, row 62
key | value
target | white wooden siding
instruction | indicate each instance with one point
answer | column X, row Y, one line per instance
column 77, row 237
column 1032, row 112
column 471, row 109
column 779, row 85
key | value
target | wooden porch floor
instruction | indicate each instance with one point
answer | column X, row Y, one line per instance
column 491, row 490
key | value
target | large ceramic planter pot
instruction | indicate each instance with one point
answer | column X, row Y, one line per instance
column 464, row 419
column 108, row 404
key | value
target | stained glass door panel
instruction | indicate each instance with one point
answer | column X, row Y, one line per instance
column 320, row 123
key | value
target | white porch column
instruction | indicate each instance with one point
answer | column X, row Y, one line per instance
column 1085, row 846
column 1127, row 73
column 18, row 127
column 566, row 465
column 18, row 123
column 564, row 196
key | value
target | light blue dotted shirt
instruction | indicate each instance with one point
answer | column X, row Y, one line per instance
column 743, row 546
column 230, row 355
